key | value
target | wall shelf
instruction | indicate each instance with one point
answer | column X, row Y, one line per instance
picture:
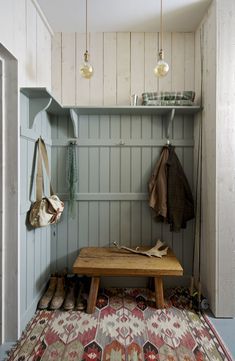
column 41, row 99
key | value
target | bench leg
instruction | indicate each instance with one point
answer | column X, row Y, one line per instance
column 159, row 292
column 95, row 281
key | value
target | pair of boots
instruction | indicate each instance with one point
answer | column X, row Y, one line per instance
column 74, row 299
column 57, row 295
column 54, row 295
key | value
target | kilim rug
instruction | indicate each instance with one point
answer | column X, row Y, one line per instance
column 124, row 327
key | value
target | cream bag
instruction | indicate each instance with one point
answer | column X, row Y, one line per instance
column 46, row 210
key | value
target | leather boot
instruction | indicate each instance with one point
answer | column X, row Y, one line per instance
column 69, row 302
column 59, row 295
column 47, row 297
column 80, row 303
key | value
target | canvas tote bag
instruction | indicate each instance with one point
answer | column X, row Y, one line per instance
column 46, row 210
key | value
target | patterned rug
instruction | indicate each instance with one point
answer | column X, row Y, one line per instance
column 124, row 327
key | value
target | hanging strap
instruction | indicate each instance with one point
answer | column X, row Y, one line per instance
column 42, row 156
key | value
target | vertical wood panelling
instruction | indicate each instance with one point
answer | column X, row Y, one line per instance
column 178, row 64
column 137, row 64
column 136, row 127
column 124, row 65
column 97, row 83
column 83, row 229
column 206, row 49
column 146, row 224
column 115, row 222
column 37, row 64
column 35, row 245
column 115, row 161
column 189, row 61
column 110, row 71
column 62, row 243
column 22, row 30
column 123, row 68
column 136, row 224
column 150, row 60
column 118, row 169
column 30, row 266
column 93, row 222
column 82, row 84
column 54, row 165
column 165, row 84
column 23, row 270
column 136, row 176
column 83, row 166
column 94, row 171
column 24, row 170
column 31, row 44
column 19, row 36
column 104, row 214
column 94, row 125
column 56, row 66
column 43, row 55
column 145, row 168
column 68, row 69
column 29, row 40
column 37, row 266
column 7, row 22
column 72, row 236
column 125, row 224
column 104, row 170
column 125, row 170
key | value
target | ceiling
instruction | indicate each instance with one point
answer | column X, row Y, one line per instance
column 123, row 15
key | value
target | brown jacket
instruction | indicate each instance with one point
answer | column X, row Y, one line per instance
column 158, row 186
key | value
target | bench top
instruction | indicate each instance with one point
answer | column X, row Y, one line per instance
column 102, row 261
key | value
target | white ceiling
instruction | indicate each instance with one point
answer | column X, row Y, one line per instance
column 123, row 15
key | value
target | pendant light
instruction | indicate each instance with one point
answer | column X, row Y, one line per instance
column 86, row 69
column 162, row 67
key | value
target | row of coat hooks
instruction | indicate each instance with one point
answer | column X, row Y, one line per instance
column 121, row 143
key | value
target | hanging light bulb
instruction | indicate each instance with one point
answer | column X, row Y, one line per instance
column 86, row 69
column 162, row 68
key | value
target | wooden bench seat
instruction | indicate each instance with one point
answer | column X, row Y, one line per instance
column 98, row 262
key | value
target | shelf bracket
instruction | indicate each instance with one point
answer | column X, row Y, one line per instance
column 36, row 106
column 74, row 117
column 168, row 119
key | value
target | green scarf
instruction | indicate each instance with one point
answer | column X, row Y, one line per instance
column 72, row 176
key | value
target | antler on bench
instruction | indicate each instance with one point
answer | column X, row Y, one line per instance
column 155, row 251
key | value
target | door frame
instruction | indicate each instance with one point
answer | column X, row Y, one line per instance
column 9, row 196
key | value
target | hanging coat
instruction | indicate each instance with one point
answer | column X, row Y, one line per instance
column 158, row 186
column 180, row 205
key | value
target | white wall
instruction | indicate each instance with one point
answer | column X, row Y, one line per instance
column 218, row 195
column 205, row 51
column 25, row 33
column 123, row 65
column 225, row 158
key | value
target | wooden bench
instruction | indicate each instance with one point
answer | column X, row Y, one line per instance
column 99, row 262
